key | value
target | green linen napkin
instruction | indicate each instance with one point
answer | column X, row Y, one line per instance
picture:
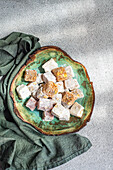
column 22, row 147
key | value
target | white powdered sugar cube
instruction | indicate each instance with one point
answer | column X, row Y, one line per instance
column 31, row 104
column 71, row 84
column 45, row 104
column 69, row 71
column 60, row 86
column 49, row 65
column 39, row 78
column 78, row 93
column 33, row 87
column 61, row 112
column 77, row 110
column 48, row 76
column 47, row 116
column 23, row 91
column 57, row 98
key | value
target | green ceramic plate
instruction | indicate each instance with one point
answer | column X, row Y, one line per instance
column 55, row 127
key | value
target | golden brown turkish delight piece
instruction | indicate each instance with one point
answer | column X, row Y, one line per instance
column 30, row 75
column 68, row 99
column 50, row 89
column 60, row 73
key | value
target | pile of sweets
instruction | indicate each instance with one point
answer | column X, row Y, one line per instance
column 54, row 92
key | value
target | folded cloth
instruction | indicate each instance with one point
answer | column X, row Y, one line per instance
column 22, row 147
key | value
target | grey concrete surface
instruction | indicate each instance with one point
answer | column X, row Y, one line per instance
column 84, row 29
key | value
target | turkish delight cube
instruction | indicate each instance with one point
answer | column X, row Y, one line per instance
column 77, row 110
column 60, row 86
column 40, row 94
column 23, row 91
column 50, row 89
column 57, row 98
column 71, row 84
column 68, row 99
column 48, row 76
column 78, row 93
column 30, row 75
column 60, row 73
column 49, row 65
column 61, row 112
column 47, row 116
column 45, row 104
column 33, row 87
column 69, row 71
column 31, row 104
column 39, row 78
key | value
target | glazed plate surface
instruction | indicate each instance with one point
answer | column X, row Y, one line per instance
column 54, row 127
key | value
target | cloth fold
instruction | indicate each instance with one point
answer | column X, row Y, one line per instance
column 22, row 147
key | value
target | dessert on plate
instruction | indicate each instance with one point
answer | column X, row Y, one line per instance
column 53, row 92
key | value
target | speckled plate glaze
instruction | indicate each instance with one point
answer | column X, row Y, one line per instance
column 55, row 127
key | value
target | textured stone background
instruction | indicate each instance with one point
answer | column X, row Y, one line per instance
column 84, row 29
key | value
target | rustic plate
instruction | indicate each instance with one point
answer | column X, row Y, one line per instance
column 34, row 118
